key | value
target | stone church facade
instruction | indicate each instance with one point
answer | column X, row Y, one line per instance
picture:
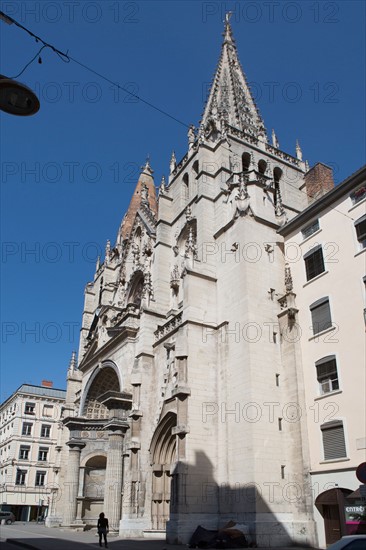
column 180, row 410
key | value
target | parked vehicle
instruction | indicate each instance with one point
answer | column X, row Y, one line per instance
column 7, row 516
column 350, row 542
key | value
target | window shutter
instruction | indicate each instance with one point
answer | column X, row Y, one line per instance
column 310, row 229
column 326, row 369
column 314, row 262
column 333, row 441
column 321, row 318
column 361, row 229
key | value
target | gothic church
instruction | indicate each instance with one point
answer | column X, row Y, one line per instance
column 169, row 421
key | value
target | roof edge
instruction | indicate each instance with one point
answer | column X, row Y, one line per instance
column 325, row 201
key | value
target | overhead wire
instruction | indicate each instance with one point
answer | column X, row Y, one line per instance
column 29, row 63
column 66, row 58
column 136, row 96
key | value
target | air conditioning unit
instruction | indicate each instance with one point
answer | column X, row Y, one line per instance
column 325, row 386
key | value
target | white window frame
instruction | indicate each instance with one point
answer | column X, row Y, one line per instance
column 43, row 454
column 31, row 406
column 361, row 244
column 23, row 474
column 352, row 195
column 40, row 473
column 29, row 428
column 329, row 426
column 330, row 381
column 313, row 306
column 309, row 226
column 306, row 256
column 48, row 428
column 25, row 448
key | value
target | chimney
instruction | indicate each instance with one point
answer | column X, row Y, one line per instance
column 318, row 181
column 47, row 383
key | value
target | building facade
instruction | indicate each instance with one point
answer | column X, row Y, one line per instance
column 183, row 409
column 325, row 247
column 29, row 449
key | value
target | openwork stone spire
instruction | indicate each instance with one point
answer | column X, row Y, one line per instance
column 288, row 279
column 145, row 194
column 230, row 100
column 73, row 362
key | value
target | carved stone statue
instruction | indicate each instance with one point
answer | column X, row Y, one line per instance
column 191, row 136
column 145, row 193
column 242, row 198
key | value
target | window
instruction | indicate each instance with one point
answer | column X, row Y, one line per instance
column 333, row 440
column 48, row 410
column 320, row 315
column 327, row 375
column 40, row 478
column 29, row 408
column 42, row 454
column 246, row 158
column 314, row 262
column 20, row 477
column 195, row 167
column 24, row 452
column 360, row 226
column 359, row 194
column 45, row 430
column 186, row 186
column 310, row 229
column 262, row 166
column 27, row 428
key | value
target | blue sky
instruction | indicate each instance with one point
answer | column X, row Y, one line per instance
column 68, row 172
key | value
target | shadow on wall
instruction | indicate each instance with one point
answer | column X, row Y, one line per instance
column 197, row 499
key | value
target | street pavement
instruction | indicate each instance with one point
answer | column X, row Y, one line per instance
column 38, row 537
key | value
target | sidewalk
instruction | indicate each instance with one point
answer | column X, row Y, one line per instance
column 38, row 537
column 35, row 536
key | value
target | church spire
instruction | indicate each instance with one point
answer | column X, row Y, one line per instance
column 145, row 194
column 230, row 101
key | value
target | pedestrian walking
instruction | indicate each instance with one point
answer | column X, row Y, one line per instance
column 103, row 528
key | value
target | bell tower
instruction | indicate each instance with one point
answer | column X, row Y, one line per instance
column 217, row 231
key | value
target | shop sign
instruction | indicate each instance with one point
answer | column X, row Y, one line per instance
column 355, row 513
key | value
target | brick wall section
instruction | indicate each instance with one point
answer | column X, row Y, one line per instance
column 135, row 203
column 318, row 181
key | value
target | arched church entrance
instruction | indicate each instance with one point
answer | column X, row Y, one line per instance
column 163, row 457
column 105, row 380
column 331, row 506
column 95, row 465
column 93, row 486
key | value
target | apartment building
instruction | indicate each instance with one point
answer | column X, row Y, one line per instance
column 29, row 451
column 326, row 253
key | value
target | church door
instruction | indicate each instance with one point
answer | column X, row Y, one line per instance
column 163, row 451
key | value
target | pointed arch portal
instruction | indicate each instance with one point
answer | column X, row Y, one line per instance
column 105, row 380
column 163, row 456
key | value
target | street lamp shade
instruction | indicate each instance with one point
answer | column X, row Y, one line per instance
column 16, row 98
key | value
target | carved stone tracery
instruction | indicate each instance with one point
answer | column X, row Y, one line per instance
column 105, row 380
